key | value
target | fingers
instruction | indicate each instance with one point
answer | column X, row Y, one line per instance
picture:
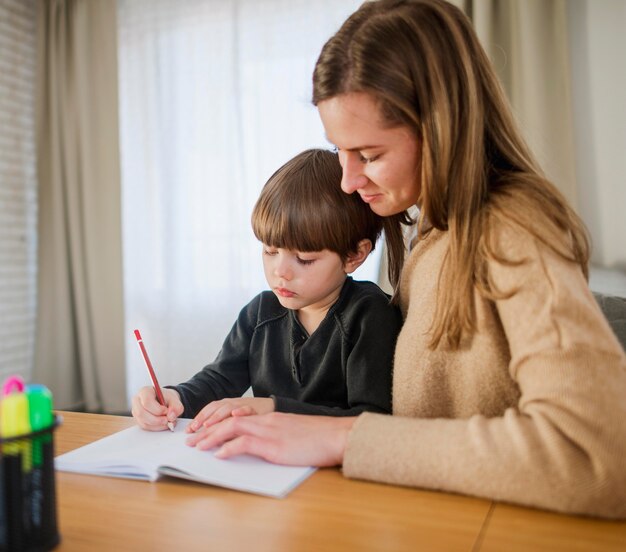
column 218, row 415
column 151, row 414
column 278, row 437
column 202, row 416
column 175, row 407
column 147, row 411
column 145, row 419
column 228, row 429
column 199, row 436
column 172, row 400
column 148, row 401
column 247, row 444
column 243, row 411
column 213, row 413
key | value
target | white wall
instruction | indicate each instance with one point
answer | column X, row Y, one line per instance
column 598, row 46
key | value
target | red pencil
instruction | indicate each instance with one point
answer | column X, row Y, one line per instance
column 155, row 382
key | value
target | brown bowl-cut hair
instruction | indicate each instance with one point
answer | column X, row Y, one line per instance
column 302, row 208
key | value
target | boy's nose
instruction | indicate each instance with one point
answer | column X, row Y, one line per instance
column 283, row 270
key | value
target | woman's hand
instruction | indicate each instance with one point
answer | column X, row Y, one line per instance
column 217, row 411
column 291, row 439
column 150, row 414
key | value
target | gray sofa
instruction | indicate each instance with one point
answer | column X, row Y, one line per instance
column 614, row 308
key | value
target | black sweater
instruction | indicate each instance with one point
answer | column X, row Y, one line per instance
column 342, row 369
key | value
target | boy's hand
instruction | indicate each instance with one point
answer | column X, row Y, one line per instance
column 152, row 415
column 217, row 411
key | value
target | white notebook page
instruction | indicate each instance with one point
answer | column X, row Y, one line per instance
column 138, row 454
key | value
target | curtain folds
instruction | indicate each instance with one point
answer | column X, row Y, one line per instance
column 561, row 68
column 80, row 326
column 527, row 42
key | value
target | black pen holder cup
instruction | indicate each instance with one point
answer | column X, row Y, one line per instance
column 28, row 511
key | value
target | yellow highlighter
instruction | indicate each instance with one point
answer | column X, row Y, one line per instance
column 17, row 456
column 15, row 421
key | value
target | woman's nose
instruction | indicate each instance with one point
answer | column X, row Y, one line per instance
column 353, row 177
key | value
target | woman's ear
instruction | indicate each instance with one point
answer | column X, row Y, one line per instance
column 357, row 258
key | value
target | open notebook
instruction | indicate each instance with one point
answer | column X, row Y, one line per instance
column 137, row 454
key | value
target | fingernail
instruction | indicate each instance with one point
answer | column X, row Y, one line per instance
column 219, row 453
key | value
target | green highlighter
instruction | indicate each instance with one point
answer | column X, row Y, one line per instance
column 41, row 418
column 39, row 413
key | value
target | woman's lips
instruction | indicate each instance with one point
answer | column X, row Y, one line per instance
column 284, row 292
column 368, row 198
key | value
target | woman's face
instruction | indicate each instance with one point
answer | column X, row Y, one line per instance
column 381, row 164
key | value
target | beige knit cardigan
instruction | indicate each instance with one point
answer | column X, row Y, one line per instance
column 532, row 412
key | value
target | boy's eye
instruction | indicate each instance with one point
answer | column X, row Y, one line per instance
column 269, row 251
column 305, row 262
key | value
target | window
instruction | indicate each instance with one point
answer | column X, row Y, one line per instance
column 214, row 97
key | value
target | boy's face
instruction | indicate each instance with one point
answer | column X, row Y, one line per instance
column 304, row 281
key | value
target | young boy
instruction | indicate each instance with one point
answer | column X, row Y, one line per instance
column 319, row 342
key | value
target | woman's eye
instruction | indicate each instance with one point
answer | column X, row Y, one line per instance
column 365, row 159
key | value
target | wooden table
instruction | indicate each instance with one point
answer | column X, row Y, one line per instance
column 326, row 512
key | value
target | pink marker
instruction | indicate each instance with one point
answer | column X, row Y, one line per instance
column 13, row 383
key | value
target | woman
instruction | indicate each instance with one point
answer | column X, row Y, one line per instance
column 508, row 382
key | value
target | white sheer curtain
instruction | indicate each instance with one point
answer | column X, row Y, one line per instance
column 214, row 96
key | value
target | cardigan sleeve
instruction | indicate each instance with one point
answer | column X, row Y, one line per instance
column 562, row 446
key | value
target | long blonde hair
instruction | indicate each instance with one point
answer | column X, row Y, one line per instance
column 422, row 61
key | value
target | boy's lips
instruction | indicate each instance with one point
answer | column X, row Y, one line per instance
column 283, row 292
